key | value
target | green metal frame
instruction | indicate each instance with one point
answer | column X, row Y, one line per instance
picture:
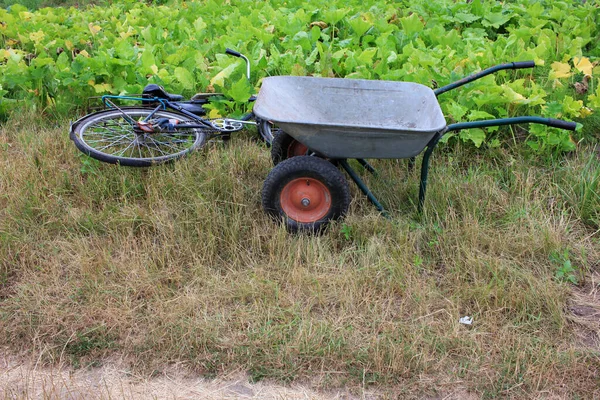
column 424, row 173
column 431, row 146
column 361, row 185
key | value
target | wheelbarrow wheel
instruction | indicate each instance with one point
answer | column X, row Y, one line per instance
column 284, row 146
column 306, row 193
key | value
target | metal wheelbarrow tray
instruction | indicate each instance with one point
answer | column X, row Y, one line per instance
column 333, row 119
column 347, row 118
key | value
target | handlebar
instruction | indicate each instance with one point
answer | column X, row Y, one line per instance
column 232, row 52
column 240, row 55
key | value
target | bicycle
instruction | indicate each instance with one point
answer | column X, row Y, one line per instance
column 164, row 128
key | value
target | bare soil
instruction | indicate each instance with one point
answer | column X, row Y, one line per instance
column 23, row 379
column 584, row 308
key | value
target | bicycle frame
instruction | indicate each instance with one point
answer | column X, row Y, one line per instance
column 216, row 127
column 221, row 125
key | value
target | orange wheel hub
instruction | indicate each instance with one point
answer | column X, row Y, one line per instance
column 296, row 149
column 305, row 200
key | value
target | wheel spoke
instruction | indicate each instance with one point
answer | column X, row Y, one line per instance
column 112, row 141
column 155, row 148
column 108, row 146
column 109, row 128
column 160, row 143
column 125, row 149
column 110, row 137
column 106, row 132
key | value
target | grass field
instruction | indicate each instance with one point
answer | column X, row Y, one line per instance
column 178, row 264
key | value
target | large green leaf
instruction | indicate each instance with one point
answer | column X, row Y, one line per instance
column 219, row 79
column 185, row 77
column 496, row 20
column 411, row 25
column 241, row 90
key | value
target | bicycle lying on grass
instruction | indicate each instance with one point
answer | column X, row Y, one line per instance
column 164, row 127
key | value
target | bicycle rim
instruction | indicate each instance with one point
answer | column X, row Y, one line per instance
column 111, row 137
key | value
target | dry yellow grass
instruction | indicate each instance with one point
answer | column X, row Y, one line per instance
column 177, row 264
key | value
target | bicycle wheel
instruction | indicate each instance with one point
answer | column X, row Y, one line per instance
column 112, row 137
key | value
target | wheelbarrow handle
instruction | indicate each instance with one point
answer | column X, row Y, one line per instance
column 555, row 123
column 523, row 64
column 560, row 124
column 485, row 72
column 240, row 55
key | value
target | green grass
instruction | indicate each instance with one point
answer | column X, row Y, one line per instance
column 178, row 264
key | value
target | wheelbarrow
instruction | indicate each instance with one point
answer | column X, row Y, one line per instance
column 332, row 120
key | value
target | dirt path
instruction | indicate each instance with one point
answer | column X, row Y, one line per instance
column 21, row 379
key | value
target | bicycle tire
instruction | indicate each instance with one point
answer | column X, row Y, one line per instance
column 267, row 131
column 107, row 136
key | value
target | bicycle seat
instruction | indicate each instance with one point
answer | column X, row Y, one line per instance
column 154, row 90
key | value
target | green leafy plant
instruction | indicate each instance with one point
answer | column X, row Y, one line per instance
column 565, row 272
column 346, row 231
column 53, row 58
column 418, row 261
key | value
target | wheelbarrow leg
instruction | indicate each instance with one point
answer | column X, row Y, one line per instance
column 361, row 185
column 367, row 166
column 425, row 168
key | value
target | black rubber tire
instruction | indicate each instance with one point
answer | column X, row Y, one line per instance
column 282, row 146
column 306, row 167
column 107, row 136
column 266, row 130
